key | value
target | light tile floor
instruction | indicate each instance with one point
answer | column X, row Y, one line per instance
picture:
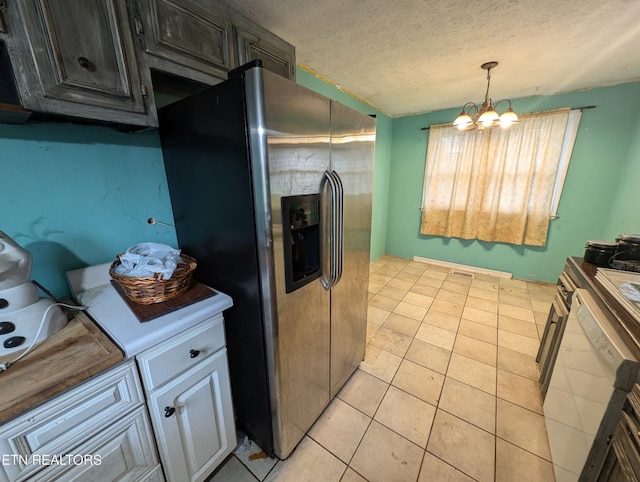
column 448, row 390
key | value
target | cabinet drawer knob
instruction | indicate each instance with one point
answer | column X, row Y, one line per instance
column 193, row 353
column 87, row 64
column 168, row 411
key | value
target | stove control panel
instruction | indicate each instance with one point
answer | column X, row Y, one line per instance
column 25, row 318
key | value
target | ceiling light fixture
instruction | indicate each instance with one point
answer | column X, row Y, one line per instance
column 473, row 116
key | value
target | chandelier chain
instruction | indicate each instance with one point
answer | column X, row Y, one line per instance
column 486, row 94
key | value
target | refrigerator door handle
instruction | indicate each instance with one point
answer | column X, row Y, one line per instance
column 340, row 225
column 331, row 280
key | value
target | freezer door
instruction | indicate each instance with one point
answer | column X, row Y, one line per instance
column 289, row 138
column 204, row 144
column 352, row 155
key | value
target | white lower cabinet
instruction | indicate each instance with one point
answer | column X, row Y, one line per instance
column 97, row 431
column 100, row 431
column 125, row 453
column 191, row 413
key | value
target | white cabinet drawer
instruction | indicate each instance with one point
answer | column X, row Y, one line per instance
column 61, row 424
column 124, row 451
column 172, row 357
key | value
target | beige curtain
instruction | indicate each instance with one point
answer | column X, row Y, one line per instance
column 495, row 184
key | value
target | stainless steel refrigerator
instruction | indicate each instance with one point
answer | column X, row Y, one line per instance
column 271, row 185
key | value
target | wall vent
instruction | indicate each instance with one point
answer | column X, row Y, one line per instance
column 462, row 274
column 464, row 267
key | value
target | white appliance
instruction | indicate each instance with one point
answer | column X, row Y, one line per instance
column 25, row 318
column 92, row 287
column 593, row 373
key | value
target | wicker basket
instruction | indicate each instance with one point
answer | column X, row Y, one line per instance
column 153, row 289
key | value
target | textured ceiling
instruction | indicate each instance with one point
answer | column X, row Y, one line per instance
column 413, row 56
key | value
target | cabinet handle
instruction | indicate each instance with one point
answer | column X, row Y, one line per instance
column 86, row 64
column 193, row 353
column 168, row 411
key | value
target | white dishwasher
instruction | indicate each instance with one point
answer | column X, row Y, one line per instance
column 593, row 373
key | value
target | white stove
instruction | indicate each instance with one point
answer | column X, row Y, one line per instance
column 25, row 318
column 92, row 287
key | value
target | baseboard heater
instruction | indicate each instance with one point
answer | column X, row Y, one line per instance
column 464, row 267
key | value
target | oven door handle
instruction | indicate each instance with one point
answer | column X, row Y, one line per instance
column 566, row 288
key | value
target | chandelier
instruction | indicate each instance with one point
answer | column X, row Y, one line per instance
column 473, row 116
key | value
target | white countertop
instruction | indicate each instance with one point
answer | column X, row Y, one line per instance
column 92, row 287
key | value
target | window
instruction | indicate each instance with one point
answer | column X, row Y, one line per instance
column 498, row 185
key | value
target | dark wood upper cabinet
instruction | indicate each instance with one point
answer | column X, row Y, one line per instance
column 254, row 42
column 188, row 38
column 78, row 58
column 101, row 59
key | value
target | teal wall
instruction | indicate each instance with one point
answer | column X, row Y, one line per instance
column 75, row 195
column 625, row 214
column 599, row 190
column 382, row 161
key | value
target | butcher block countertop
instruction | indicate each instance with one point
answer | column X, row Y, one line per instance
column 70, row 356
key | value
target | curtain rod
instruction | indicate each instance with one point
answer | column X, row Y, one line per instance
column 584, row 107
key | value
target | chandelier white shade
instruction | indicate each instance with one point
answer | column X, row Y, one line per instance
column 485, row 115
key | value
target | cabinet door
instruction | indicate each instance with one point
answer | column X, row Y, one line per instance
column 84, row 58
column 188, row 33
column 124, row 451
column 63, row 423
column 192, row 417
column 253, row 42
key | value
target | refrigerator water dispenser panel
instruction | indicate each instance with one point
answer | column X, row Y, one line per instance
column 301, row 230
